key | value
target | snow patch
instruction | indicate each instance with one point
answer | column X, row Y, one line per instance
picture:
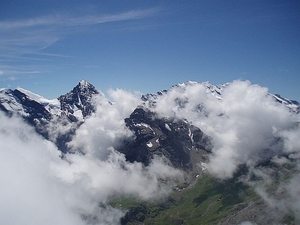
column 149, row 144
column 203, row 165
column 191, row 135
column 52, row 106
column 144, row 125
column 167, row 127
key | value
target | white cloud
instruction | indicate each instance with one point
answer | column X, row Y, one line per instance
column 102, row 130
column 63, row 20
column 41, row 188
column 30, row 193
column 28, row 36
column 245, row 125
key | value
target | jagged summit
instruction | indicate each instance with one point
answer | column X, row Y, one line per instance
column 76, row 104
column 80, row 98
column 85, row 89
column 85, row 85
column 69, row 110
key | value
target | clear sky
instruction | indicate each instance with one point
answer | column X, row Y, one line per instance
column 48, row 46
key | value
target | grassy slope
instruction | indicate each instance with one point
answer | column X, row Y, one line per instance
column 207, row 202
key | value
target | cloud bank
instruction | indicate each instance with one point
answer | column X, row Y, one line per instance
column 246, row 124
column 247, row 127
column 39, row 187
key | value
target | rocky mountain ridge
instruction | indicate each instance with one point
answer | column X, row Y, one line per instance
column 71, row 110
column 182, row 143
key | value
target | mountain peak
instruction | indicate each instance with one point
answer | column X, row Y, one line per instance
column 84, row 88
column 79, row 98
column 84, row 83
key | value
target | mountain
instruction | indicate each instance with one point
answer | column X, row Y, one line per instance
column 175, row 138
column 56, row 119
column 291, row 104
column 214, row 90
column 78, row 103
column 179, row 127
column 184, row 145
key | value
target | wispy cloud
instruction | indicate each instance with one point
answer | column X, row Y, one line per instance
column 20, row 39
column 61, row 20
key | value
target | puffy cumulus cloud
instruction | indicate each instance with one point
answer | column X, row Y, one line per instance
column 115, row 177
column 39, row 187
column 291, row 139
column 183, row 101
column 58, row 126
column 246, row 124
column 98, row 137
column 125, row 101
column 247, row 131
column 106, row 127
column 30, row 193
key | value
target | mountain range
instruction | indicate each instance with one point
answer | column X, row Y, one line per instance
column 171, row 125
column 78, row 104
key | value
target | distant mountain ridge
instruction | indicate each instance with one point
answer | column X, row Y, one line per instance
column 77, row 104
column 72, row 108
column 217, row 91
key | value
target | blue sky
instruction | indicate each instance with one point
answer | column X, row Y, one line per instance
column 49, row 46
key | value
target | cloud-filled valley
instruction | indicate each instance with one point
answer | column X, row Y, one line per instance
column 40, row 187
column 247, row 126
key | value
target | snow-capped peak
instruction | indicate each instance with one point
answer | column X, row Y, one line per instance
column 187, row 83
column 84, row 84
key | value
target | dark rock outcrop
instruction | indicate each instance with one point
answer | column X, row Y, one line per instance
column 176, row 140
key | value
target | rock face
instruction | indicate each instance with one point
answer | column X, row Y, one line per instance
column 183, row 144
column 78, row 104
column 16, row 101
column 57, row 119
